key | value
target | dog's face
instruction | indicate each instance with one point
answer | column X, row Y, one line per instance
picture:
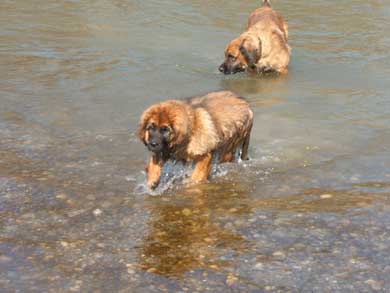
column 241, row 54
column 157, row 137
column 162, row 126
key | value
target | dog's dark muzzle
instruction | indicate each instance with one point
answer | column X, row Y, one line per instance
column 222, row 68
column 155, row 146
column 226, row 69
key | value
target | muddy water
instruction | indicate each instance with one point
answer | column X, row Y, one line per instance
column 309, row 211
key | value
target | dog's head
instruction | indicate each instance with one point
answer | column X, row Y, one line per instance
column 163, row 126
column 241, row 54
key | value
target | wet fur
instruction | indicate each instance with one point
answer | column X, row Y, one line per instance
column 219, row 122
column 263, row 47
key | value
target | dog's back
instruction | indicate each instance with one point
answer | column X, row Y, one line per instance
column 231, row 114
column 266, row 17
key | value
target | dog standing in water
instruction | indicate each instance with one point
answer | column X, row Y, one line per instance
column 262, row 47
column 194, row 130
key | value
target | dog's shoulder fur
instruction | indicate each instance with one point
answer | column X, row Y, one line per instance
column 233, row 115
column 204, row 136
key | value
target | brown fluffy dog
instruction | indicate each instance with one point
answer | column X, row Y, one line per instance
column 262, row 47
column 195, row 130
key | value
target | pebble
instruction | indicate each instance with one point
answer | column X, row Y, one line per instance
column 61, row 196
column 75, row 213
column 208, row 240
column 279, row 254
column 326, row 196
column 4, row 258
column 230, row 280
column 97, row 212
column 130, row 271
column 354, row 179
column 186, row 212
column 259, row 265
column 76, row 286
column 130, row 179
column 375, row 285
column 91, row 197
column 152, row 270
column 106, row 204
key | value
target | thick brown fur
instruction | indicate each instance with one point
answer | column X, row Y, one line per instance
column 263, row 47
column 199, row 128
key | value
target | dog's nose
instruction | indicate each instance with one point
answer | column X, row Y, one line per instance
column 154, row 144
column 221, row 68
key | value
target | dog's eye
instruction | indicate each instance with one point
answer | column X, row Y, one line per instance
column 150, row 126
column 231, row 57
column 165, row 130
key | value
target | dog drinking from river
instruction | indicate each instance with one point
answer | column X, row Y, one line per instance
column 262, row 47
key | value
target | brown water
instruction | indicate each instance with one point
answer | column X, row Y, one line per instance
column 309, row 212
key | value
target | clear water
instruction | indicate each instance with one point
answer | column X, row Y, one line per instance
column 309, row 211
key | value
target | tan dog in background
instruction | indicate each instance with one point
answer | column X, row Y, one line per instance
column 262, row 47
column 195, row 130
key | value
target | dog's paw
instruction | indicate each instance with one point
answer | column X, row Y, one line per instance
column 263, row 67
column 152, row 185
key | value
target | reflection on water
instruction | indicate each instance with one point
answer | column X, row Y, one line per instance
column 308, row 212
column 186, row 234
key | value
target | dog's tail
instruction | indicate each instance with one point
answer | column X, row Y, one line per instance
column 266, row 3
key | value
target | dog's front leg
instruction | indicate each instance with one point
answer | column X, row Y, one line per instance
column 202, row 168
column 263, row 66
column 153, row 171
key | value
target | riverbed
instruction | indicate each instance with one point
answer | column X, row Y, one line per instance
column 310, row 210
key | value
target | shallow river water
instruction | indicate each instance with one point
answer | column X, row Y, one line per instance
column 309, row 212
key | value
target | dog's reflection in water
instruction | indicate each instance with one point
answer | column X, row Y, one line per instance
column 194, row 230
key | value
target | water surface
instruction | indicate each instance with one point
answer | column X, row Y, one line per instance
column 309, row 211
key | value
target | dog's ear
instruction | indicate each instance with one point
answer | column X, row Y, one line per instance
column 180, row 124
column 178, row 136
column 179, row 133
column 142, row 132
column 250, row 48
